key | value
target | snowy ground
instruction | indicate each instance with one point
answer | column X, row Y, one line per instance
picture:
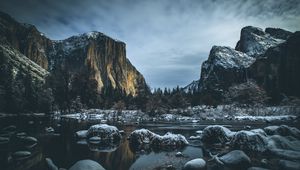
column 194, row 114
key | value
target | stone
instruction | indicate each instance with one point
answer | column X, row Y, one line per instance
column 195, row 164
column 105, row 132
column 216, row 134
column 50, row 164
column 236, row 159
column 289, row 165
column 20, row 155
column 86, row 165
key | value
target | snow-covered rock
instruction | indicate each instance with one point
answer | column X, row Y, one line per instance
column 283, row 130
column 254, row 41
column 249, row 141
column 195, row 164
column 216, row 134
column 20, row 155
column 236, row 159
column 141, row 136
column 81, row 134
column 179, row 154
column 289, row 165
column 104, row 131
column 169, row 139
column 86, row 165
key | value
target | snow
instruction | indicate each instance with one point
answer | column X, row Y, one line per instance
column 266, row 118
column 86, row 164
column 249, row 141
column 195, row 164
column 216, row 134
column 141, row 136
column 169, row 139
column 104, row 131
column 227, row 57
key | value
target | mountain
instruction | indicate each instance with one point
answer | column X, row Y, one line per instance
column 266, row 60
column 105, row 56
column 90, row 61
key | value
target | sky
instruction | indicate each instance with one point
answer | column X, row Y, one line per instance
column 166, row 40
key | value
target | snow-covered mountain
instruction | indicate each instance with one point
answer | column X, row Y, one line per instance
column 270, row 58
column 95, row 55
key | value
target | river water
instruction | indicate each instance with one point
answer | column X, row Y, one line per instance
column 64, row 149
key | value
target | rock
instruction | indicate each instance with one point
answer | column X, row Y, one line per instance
column 51, row 165
column 223, row 68
column 105, row 132
column 249, row 141
column 278, row 33
column 283, row 130
column 21, row 134
column 285, row 154
column 216, row 134
column 141, row 136
column 254, row 41
column 236, row 159
column 195, row 137
column 195, row 164
column 4, row 141
column 257, row 168
column 281, row 142
column 86, row 165
column 259, row 131
column 289, row 165
column 20, row 155
column 82, row 134
column 27, row 141
column 169, row 139
column 95, row 140
column 11, row 128
column 179, row 154
column 277, row 70
column 49, row 129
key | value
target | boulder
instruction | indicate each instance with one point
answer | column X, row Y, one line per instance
column 216, row 134
column 141, row 136
column 281, row 142
column 169, row 139
column 27, row 141
column 195, row 164
column 20, row 155
column 86, row 165
column 236, row 159
column 249, row 141
column 283, row 130
column 285, row 154
column 257, row 168
column 289, row 165
column 50, row 164
column 105, row 132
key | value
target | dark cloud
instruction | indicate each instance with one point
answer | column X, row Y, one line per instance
column 167, row 40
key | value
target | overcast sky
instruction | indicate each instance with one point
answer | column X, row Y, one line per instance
column 167, row 40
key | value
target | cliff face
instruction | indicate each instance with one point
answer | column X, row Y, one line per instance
column 25, row 38
column 278, row 70
column 100, row 57
column 268, row 58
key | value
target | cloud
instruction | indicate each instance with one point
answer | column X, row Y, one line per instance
column 167, row 40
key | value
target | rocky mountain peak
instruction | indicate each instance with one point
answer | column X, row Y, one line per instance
column 279, row 33
column 254, row 41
